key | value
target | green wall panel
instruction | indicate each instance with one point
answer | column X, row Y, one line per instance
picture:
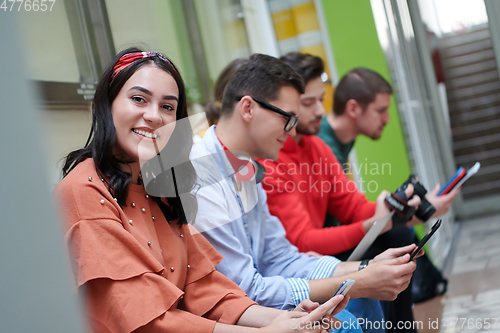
column 383, row 164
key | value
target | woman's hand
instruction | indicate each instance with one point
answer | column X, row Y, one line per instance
column 308, row 317
column 308, row 306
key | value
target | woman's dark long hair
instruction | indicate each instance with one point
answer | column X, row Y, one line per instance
column 102, row 139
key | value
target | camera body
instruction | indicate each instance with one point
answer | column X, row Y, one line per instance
column 425, row 209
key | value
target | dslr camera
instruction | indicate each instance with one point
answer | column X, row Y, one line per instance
column 398, row 202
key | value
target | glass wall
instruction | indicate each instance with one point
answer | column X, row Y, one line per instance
column 465, row 65
column 48, row 43
column 223, row 33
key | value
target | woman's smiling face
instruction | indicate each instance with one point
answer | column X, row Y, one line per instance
column 144, row 114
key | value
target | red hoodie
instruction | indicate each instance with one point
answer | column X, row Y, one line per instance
column 305, row 183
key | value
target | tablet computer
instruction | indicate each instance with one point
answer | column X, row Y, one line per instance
column 424, row 240
column 369, row 238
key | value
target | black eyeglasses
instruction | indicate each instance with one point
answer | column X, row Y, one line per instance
column 293, row 119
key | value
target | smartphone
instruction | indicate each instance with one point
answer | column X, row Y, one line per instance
column 424, row 240
column 453, row 181
column 459, row 178
column 343, row 289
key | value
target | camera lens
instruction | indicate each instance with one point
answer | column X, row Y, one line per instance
column 425, row 210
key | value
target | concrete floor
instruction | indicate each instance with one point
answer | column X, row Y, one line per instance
column 472, row 302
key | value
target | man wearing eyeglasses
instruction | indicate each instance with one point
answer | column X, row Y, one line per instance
column 259, row 112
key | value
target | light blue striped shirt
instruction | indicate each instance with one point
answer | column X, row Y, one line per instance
column 235, row 218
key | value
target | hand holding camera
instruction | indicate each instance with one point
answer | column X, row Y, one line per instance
column 399, row 202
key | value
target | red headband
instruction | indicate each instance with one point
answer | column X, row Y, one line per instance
column 127, row 59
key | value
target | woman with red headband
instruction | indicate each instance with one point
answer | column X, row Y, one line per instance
column 136, row 262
